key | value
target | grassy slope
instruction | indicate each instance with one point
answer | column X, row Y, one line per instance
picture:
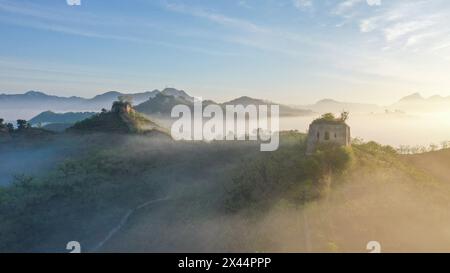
column 103, row 122
column 84, row 197
column 383, row 197
column 111, row 122
column 436, row 164
column 281, row 202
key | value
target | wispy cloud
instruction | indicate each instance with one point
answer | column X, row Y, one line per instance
column 374, row 2
column 87, row 25
column 417, row 39
column 244, row 3
column 303, row 4
column 368, row 25
column 248, row 33
column 399, row 30
column 349, row 8
column 218, row 18
column 409, row 24
column 345, row 7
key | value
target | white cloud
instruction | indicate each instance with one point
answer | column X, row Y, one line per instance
column 413, row 25
column 346, row 6
column 246, row 32
column 441, row 46
column 218, row 18
column 374, row 2
column 417, row 39
column 302, row 4
column 401, row 29
column 368, row 25
column 244, row 4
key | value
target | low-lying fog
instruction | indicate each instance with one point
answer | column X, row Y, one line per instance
column 389, row 129
column 25, row 161
column 31, row 159
column 387, row 205
column 393, row 129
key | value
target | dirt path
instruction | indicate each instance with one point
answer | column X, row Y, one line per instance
column 124, row 221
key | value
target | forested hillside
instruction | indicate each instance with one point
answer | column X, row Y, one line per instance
column 336, row 200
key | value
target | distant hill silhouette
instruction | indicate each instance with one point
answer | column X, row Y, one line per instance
column 417, row 103
column 162, row 105
column 334, row 106
column 32, row 133
column 48, row 117
column 412, row 97
column 284, row 109
column 36, row 102
column 31, row 103
column 177, row 93
column 57, row 127
column 111, row 96
column 40, row 99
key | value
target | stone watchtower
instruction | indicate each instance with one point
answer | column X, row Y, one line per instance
column 121, row 107
column 328, row 129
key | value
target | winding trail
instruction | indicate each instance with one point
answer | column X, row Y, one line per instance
column 124, row 221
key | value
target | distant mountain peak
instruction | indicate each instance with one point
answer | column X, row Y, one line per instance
column 111, row 93
column 48, row 117
column 35, row 93
column 245, row 100
column 436, row 98
column 412, row 97
column 108, row 94
column 417, row 103
column 327, row 101
column 169, row 91
column 163, row 103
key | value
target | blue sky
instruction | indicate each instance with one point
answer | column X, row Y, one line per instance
column 291, row 51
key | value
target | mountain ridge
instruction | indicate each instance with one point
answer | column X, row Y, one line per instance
column 52, row 117
column 418, row 103
column 162, row 105
column 32, row 103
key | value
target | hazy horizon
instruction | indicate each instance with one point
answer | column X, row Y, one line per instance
column 192, row 93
